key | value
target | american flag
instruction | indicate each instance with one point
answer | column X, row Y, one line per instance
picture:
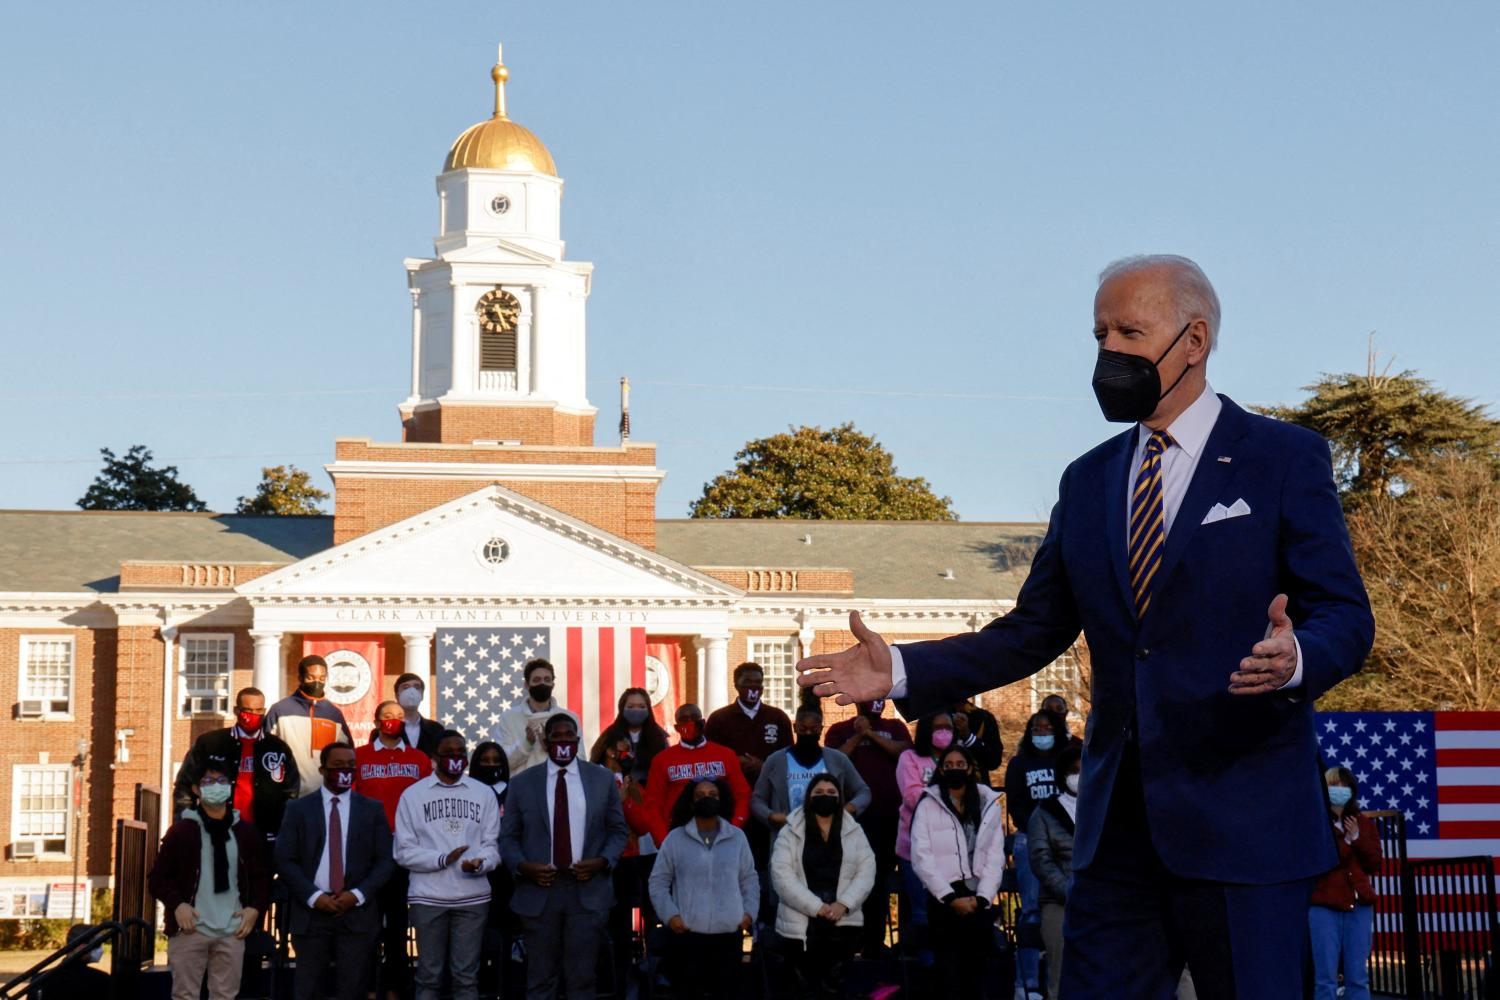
column 1441, row 770
column 479, row 673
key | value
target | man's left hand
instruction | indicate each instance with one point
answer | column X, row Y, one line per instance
column 587, row 868
column 1273, row 660
column 345, row 901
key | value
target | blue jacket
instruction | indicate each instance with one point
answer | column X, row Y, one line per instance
column 1232, row 786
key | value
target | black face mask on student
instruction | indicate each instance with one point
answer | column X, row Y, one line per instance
column 823, row 805
column 706, row 807
column 955, row 778
column 540, row 692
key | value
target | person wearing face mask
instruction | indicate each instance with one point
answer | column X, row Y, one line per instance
column 749, row 726
column 788, row 773
column 411, row 693
column 1341, row 918
column 212, row 879
column 705, row 889
column 307, row 721
column 693, row 757
column 1030, row 779
column 822, row 870
column 976, row 730
column 635, row 723
column 958, row 850
column 1058, row 706
column 914, row 771
column 562, row 835
column 265, row 776
column 631, row 873
column 385, row 768
column 77, row 976
column 1049, row 838
column 874, row 743
column 1204, row 556
column 488, row 766
column 519, row 731
column 334, row 854
column 447, row 832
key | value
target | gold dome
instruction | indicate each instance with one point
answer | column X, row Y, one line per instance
column 500, row 144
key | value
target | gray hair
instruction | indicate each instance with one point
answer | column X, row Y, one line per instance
column 1193, row 292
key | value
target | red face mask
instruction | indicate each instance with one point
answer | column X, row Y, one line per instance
column 689, row 731
column 249, row 721
column 392, row 727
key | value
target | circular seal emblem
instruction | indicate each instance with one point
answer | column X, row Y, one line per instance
column 349, row 676
column 658, row 680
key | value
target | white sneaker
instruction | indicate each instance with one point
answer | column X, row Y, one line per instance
column 1034, row 995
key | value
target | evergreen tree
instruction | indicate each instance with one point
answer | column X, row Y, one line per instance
column 130, row 483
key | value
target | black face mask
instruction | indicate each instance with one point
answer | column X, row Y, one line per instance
column 807, row 748
column 486, row 774
column 313, row 689
column 1128, row 386
column 823, row 805
column 540, row 692
column 955, row 778
column 706, row 807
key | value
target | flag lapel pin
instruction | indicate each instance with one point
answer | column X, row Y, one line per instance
column 1225, row 459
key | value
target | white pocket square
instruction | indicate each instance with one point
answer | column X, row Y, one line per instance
column 1218, row 512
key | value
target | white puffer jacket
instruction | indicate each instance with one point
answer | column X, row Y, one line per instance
column 939, row 850
column 797, row 904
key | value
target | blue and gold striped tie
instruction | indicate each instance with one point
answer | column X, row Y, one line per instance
column 1148, row 523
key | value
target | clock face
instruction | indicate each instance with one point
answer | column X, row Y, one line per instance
column 500, row 204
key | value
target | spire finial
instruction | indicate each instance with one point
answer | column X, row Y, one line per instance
column 499, row 74
column 624, row 410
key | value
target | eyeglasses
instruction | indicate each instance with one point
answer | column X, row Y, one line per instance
column 215, row 781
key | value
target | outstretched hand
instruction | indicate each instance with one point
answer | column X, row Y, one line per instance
column 860, row 673
column 1273, row 660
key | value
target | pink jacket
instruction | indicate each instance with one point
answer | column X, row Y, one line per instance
column 912, row 773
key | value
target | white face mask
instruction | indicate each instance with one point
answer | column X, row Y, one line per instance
column 96, row 955
column 410, row 696
column 1072, row 782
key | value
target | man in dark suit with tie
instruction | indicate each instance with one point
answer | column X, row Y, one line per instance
column 1204, row 556
column 561, row 835
column 333, row 853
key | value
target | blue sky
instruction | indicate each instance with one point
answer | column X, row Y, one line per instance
column 890, row 213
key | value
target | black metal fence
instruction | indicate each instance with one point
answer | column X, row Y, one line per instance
column 136, row 946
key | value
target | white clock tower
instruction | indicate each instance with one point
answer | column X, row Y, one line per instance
column 498, row 332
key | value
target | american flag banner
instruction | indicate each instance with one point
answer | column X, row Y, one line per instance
column 479, row 673
column 1440, row 770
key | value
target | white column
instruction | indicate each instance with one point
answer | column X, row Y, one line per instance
column 534, row 347
column 713, row 671
column 419, row 662
column 524, row 355
column 416, row 342
column 465, row 341
column 268, row 665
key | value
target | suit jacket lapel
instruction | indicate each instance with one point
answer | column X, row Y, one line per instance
column 319, row 830
column 1209, row 479
column 1117, row 474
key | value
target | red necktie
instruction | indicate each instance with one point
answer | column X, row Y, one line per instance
column 562, row 830
column 335, row 850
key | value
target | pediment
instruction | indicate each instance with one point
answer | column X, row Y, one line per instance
column 499, row 251
column 492, row 543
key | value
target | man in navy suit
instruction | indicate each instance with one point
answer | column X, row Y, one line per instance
column 333, row 853
column 1204, row 556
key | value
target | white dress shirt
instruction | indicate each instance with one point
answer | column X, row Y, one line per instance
column 320, row 878
column 1189, row 433
column 576, row 803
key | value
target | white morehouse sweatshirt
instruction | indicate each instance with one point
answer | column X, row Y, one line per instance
column 431, row 820
column 940, row 851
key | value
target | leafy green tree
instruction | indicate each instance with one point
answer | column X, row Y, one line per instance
column 283, row 489
column 810, row 473
column 130, row 483
column 1379, row 424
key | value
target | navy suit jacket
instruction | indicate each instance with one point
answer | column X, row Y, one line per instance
column 368, row 864
column 1232, row 786
column 526, row 835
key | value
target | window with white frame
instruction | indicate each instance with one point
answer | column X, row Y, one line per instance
column 41, row 810
column 46, row 676
column 207, row 661
column 1061, row 676
column 778, row 659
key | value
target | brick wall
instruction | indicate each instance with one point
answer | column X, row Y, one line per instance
column 526, row 424
column 773, row 580
column 205, row 576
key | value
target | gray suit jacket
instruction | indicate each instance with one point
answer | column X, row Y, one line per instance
column 526, row 835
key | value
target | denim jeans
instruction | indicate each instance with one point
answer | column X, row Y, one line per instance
column 451, row 937
column 1335, row 933
column 918, row 945
column 1028, row 960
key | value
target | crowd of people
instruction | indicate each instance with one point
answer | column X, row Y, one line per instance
column 513, row 863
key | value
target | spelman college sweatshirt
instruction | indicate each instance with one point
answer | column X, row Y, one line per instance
column 431, row 820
